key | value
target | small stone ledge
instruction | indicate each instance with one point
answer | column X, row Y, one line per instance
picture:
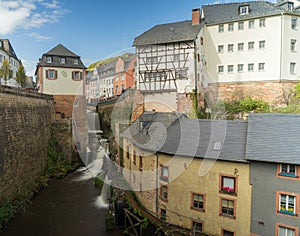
column 21, row 92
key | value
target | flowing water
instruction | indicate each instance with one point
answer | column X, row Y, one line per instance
column 67, row 207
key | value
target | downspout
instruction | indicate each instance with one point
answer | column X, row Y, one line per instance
column 156, row 189
column 196, row 76
column 281, row 48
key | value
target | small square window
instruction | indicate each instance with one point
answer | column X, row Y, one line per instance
column 221, row 28
column 292, row 68
column 220, row 69
column 251, row 46
column 230, row 27
column 262, row 44
column 288, row 170
column 75, row 61
column 227, row 207
column 49, row 59
column 227, row 233
column 62, row 60
column 197, row 201
column 163, row 214
column 287, row 204
column 293, row 45
column 164, row 173
column 164, row 192
column 228, row 185
column 220, row 48
column 230, row 47
column 251, row 24
column 286, row 231
column 240, row 46
column 197, row 226
column 240, row 67
column 294, row 23
column 230, row 68
column 262, row 22
column 250, row 67
column 241, row 25
column 261, row 66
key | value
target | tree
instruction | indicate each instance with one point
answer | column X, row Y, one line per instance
column 21, row 75
column 5, row 71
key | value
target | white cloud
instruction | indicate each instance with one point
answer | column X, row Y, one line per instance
column 27, row 14
column 38, row 37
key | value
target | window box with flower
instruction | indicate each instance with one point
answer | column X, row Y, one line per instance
column 228, row 190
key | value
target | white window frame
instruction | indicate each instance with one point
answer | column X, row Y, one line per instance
column 220, row 69
column 220, row 48
column 251, row 24
column 241, row 25
column 221, row 28
column 294, row 22
column 262, row 22
column 262, row 44
column 288, row 170
column 230, row 47
column 240, row 68
column 286, row 231
column 285, row 205
column 230, row 69
column 292, row 68
column 261, row 66
column 250, row 67
column 293, row 45
column 251, row 45
column 230, row 27
column 240, row 46
column 49, row 59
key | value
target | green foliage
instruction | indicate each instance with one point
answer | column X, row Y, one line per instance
column 57, row 165
column 248, row 105
column 245, row 105
column 5, row 71
column 21, row 75
column 297, row 90
column 109, row 220
column 294, row 102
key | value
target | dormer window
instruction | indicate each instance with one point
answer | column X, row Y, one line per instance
column 49, row 59
column 62, row 60
column 290, row 6
column 76, row 61
column 244, row 9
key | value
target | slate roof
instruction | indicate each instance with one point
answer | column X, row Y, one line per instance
column 61, row 50
column 6, row 46
column 217, row 13
column 168, row 33
column 178, row 135
column 56, row 53
column 274, row 138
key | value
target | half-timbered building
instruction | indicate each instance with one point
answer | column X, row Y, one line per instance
column 167, row 69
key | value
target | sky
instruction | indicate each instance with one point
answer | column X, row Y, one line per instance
column 92, row 29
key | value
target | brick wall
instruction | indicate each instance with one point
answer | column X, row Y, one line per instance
column 275, row 93
column 25, row 129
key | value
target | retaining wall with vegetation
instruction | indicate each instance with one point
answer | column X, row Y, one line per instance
column 25, row 129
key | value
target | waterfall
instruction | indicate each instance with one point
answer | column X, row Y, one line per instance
column 103, row 200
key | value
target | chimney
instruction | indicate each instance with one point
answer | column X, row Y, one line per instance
column 196, row 16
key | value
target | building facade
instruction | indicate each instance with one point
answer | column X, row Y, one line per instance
column 251, row 49
column 7, row 52
column 61, row 73
column 167, row 68
column 272, row 149
column 197, row 179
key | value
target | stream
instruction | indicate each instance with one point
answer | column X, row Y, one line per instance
column 68, row 206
